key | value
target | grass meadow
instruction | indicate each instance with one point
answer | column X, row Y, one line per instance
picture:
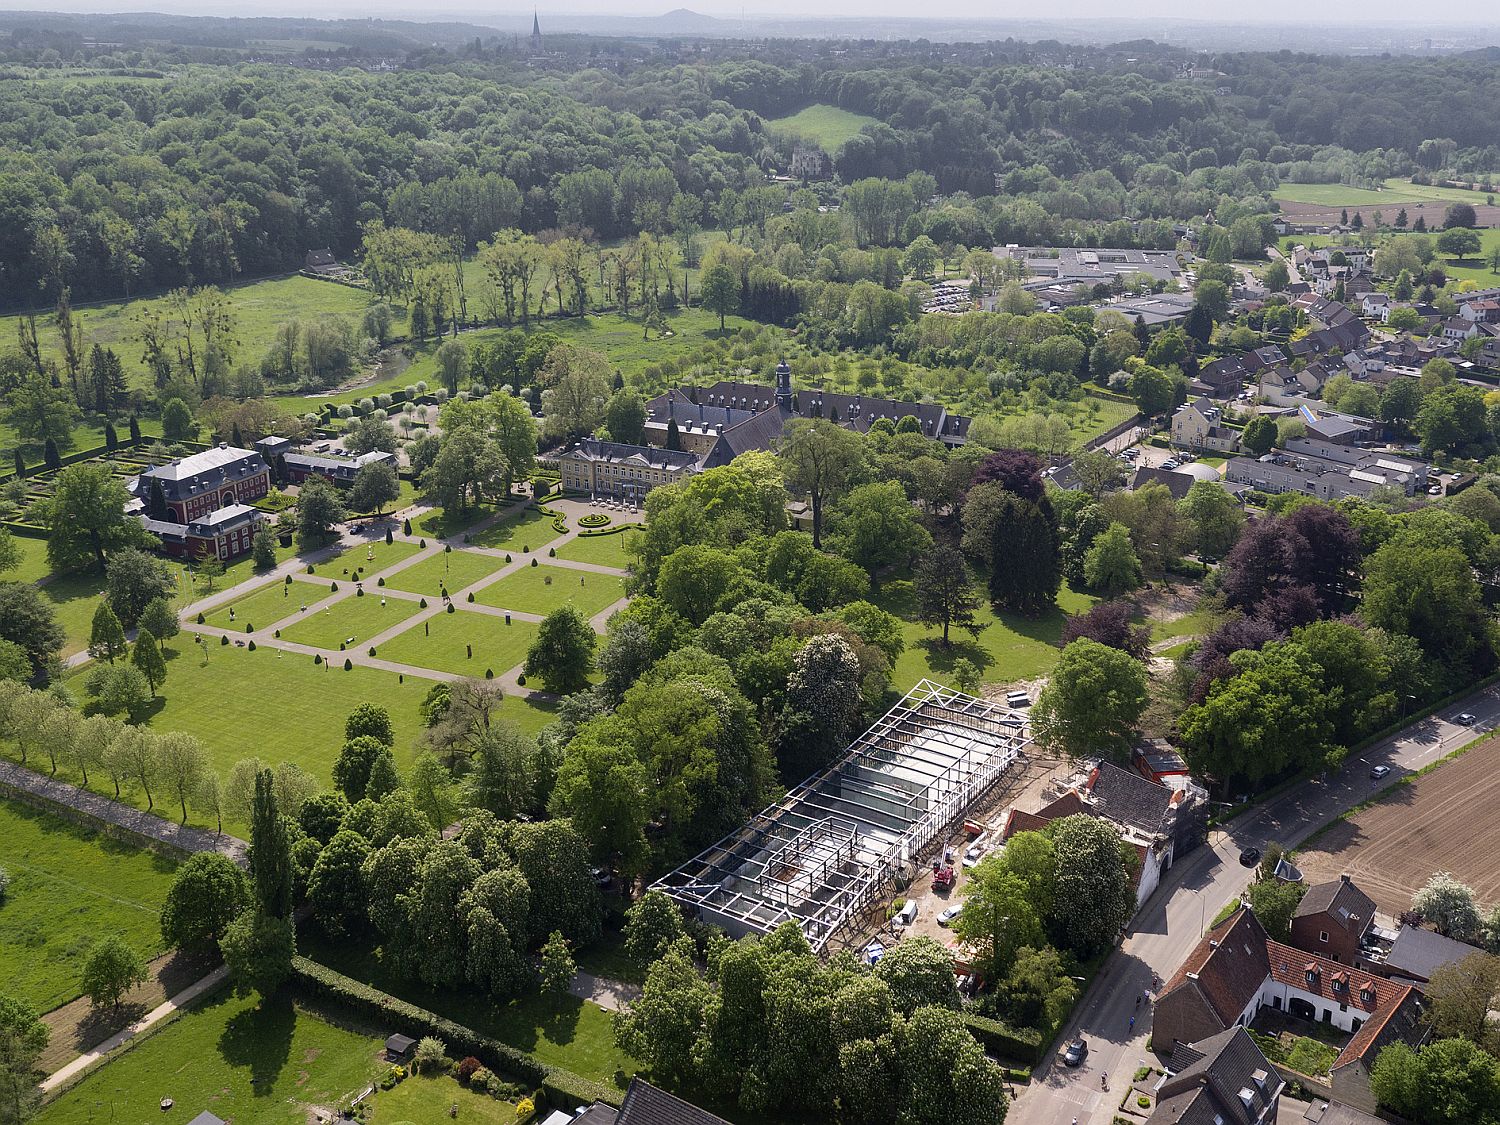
column 445, row 641
column 70, row 887
column 827, row 126
column 245, row 1062
column 541, row 589
column 601, row 550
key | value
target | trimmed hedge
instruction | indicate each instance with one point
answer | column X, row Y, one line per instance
column 564, row 1089
column 589, row 533
column 1024, row 1044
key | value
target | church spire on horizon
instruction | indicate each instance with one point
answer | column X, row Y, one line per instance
column 536, row 30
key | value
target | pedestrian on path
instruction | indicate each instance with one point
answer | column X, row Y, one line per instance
column 1132, row 1023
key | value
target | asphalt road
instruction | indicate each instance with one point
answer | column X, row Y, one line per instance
column 1173, row 921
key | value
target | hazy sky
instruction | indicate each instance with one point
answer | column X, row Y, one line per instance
column 1325, row 12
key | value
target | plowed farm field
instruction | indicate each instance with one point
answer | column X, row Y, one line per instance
column 1447, row 820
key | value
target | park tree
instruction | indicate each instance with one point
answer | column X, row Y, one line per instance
column 356, row 764
column 453, row 364
column 118, row 689
column 719, row 291
column 602, row 785
column 1098, row 471
column 320, row 509
column 182, row 764
column 369, row 433
column 1036, row 990
column 1017, row 539
column 147, row 659
column 1460, row 996
column 945, row 1077
column 369, row 720
column 553, row 857
column 1271, row 715
column 106, row 634
column 1112, row 624
column 875, row 526
column 258, row 951
column 999, row 916
column 27, row 619
column 159, row 617
column 263, row 549
column 664, row 1025
column 1259, row 435
column 86, row 518
column 919, row 973
column 1092, row 894
column 1460, row 214
column 134, row 580
column 945, row 592
column 375, row 486
column 1459, row 243
column 270, row 851
column 1274, row 903
column 577, row 384
column 652, row 924
column 821, row 707
column 625, row 417
column 1450, row 906
column 557, row 966
column 208, row 892
column 23, row 1038
column 111, row 969
column 1277, row 277
column 1092, row 703
column 819, row 460
column 1445, row 1082
column 1426, row 591
column 1111, row 565
column 1215, row 517
column 693, row 580
column 177, row 422
column 563, row 653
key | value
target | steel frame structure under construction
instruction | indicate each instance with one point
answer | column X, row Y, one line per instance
column 830, row 850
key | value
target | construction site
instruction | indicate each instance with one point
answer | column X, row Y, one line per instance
column 829, row 854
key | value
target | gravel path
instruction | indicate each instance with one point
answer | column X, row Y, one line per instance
column 110, row 811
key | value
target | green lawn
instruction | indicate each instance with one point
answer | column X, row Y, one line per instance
column 427, row 1098
column 1009, row 647
column 248, row 1064
column 260, row 307
column 264, row 607
column 602, row 550
column 541, row 589
column 1195, row 624
column 565, row 1032
column 450, row 570
column 825, row 125
column 528, row 528
column 272, row 705
column 367, row 560
column 442, row 643
column 360, row 618
column 70, row 887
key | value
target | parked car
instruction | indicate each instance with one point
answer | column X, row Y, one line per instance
column 1435, row 490
column 1075, row 1052
column 1380, row 771
column 1249, row 857
column 947, row 916
column 1171, row 463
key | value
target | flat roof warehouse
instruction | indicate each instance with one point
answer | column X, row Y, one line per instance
column 830, row 850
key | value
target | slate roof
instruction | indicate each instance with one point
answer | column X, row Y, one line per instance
column 1213, row 1074
column 202, row 472
column 1418, row 953
column 231, row 515
column 1176, row 483
column 1342, row 901
column 1128, row 798
column 644, row 1104
column 618, row 453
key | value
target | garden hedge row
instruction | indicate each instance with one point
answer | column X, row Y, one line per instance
column 1023, row 1044
column 563, row 1088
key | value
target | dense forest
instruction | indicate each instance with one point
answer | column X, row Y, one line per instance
column 127, row 167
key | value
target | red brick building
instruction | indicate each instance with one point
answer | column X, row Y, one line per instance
column 1332, row 918
column 184, row 490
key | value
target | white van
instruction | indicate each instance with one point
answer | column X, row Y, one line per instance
column 907, row 914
